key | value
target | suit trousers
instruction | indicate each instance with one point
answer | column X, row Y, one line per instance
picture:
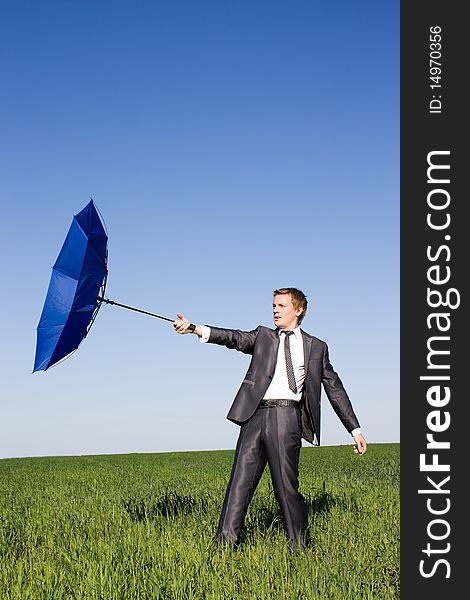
column 272, row 435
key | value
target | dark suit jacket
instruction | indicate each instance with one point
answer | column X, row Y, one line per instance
column 263, row 343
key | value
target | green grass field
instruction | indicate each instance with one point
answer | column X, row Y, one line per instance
column 140, row 526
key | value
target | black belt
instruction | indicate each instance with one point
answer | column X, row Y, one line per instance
column 280, row 402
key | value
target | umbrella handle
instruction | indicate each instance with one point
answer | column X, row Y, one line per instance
column 145, row 312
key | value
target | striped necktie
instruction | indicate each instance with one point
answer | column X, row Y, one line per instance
column 289, row 366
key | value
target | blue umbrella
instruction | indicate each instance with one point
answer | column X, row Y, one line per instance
column 78, row 278
column 76, row 290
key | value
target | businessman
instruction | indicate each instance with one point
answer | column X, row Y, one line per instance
column 277, row 404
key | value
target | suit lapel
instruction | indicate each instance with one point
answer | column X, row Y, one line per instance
column 273, row 350
column 307, row 340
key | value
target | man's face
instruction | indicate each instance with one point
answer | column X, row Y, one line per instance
column 284, row 314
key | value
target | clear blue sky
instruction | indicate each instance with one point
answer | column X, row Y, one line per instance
column 232, row 148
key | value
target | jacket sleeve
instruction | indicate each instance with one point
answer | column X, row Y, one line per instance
column 337, row 395
column 243, row 341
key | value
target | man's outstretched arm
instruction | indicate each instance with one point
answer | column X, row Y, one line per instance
column 243, row 341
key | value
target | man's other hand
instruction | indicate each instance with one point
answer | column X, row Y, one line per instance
column 361, row 444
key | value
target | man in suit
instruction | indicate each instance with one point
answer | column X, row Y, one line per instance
column 277, row 404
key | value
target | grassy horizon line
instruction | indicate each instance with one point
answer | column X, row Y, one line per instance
column 136, row 453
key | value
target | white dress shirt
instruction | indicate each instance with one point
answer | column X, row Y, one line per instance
column 279, row 386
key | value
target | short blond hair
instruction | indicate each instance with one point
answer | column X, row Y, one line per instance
column 299, row 299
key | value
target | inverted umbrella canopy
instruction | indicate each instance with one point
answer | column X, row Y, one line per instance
column 76, row 290
column 77, row 284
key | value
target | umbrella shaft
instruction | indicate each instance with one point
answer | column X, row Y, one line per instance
column 145, row 312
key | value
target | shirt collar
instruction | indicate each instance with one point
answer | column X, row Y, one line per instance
column 296, row 331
